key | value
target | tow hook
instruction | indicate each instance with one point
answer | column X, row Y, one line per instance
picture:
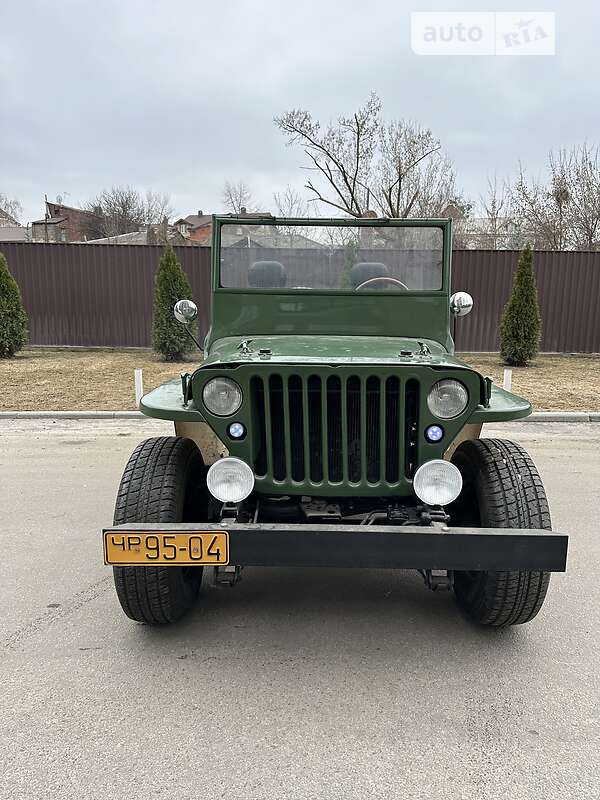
column 227, row 576
column 433, row 516
column 438, row 579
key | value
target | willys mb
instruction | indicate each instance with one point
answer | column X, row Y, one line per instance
column 330, row 424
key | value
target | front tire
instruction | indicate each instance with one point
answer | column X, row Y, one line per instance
column 502, row 489
column 164, row 481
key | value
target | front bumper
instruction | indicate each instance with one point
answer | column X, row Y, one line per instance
column 380, row 546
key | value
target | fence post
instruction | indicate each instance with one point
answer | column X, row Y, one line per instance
column 507, row 384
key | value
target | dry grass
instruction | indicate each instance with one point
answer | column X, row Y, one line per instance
column 551, row 383
column 63, row 380
column 52, row 379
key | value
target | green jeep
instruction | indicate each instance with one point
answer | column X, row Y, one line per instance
column 330, row 424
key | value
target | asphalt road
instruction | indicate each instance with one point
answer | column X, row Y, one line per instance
column 297, row 683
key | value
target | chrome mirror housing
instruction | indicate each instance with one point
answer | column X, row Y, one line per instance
column 461, row 303
column 185, row 311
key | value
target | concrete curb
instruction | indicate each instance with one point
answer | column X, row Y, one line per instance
column 563, row 416
column 538, row 416
column 81, row 415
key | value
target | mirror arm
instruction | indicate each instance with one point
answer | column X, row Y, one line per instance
column 192, row 337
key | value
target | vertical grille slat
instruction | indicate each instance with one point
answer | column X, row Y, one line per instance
column 315, row 429
column 411, row 421
column 353, row 428
column 372, row 427
column 287, row 428
column 393, row 432
column 305, row 429
column 325, row 430
column 278, row 437
column 363, row 429
column 333, row 428
column 297, row 425
column 257, row 393
column 344, row 428
column 382, row 430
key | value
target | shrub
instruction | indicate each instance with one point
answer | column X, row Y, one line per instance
column 521, row 324
column 169, row 337
column 13, row 319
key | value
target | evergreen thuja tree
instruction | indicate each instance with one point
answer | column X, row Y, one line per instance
column 13, row 319
column 169, row 337
column 521, row 323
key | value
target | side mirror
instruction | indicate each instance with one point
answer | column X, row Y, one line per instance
column 185, row 311
column 461, row 303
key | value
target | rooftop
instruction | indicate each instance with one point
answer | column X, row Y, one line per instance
column 13, row 233
column 7, row 219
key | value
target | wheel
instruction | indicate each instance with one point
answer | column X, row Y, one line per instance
column 502, row 489
column 164, row 481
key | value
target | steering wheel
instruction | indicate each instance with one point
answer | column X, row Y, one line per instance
column 395, row 281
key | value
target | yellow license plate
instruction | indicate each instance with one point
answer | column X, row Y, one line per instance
column 131, row 548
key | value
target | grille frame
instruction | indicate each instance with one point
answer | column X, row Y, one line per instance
column 340, row 423
column 248, row 374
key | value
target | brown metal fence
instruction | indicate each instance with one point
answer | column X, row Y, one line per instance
column 98, row 294
column 568, row 289
column 101, row 295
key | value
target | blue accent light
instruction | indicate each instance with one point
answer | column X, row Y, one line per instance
column 236, row 430
column 434, row 433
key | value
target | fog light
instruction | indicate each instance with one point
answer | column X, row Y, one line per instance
column 434, row 433
column 230, row 480
column 437, row 482
column 236, row 430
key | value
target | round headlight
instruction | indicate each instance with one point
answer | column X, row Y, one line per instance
column 230, row 480
column 222, row 396
column 437, row 482
column 448, row 398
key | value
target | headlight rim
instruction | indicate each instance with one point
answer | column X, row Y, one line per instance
column 434, row 413
column 228, row 380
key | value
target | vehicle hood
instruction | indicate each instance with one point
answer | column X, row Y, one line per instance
column 292, row 349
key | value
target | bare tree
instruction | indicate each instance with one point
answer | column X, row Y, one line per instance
column 157, row 208
column 123, row 209
column 10, row 207
column 576, row 185
column 362, row 163
column 237, row 198
column 290, row 203
column 540, row 210
column 495, row 229
column 562, row 210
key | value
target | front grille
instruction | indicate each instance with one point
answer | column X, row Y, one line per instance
column 334, row 429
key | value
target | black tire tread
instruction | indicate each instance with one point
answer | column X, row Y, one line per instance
column 510, row 494
column 152, row 489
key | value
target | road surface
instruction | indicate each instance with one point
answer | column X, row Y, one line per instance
column 296, row 684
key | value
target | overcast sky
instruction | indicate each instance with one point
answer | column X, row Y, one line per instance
column 179, row 96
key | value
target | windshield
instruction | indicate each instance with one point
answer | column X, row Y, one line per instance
column 381, row 258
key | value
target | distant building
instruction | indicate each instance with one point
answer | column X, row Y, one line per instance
column 10, row 230
column 64, row 224
column 160, row 234
column 196, row 227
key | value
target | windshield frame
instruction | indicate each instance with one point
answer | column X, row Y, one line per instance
column 234, row 219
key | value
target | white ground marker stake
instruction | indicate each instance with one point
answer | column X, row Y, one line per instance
column 507, row 380
column 139, row 385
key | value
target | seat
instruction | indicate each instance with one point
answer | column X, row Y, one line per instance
column 267, row 275
column 365, row 270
